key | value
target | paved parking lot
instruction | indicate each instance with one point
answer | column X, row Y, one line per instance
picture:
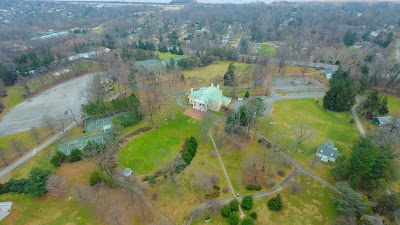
column 54, row 102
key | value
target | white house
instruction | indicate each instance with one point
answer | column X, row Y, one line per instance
column 208, row 97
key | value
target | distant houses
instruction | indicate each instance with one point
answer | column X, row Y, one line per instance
column 208, row 98
column 327, row 152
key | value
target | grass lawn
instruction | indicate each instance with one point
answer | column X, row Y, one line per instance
column 167, row 55
column 393, row 104
column 184, row 192
column 236, row 160
column 28, row 210
column 14, row 97
column 150, row 151
column 327, row 125
column 201, row 76
column 267, row 49
column 312, row 206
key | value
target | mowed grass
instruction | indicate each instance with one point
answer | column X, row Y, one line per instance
column 205, row 75
column 237, row 161
column 167, row 55
column 267, row 49
column 14, row 97
column 150, row 151
column 314, row 205
column 183, row 192
column 327, row 125
column 28, row 210
column 393, row 104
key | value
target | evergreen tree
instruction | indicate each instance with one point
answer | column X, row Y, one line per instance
column 180, row 51
column 375, row 105
column 229, row 76
column 341, row 95
column 349, row 203
column 275, row 203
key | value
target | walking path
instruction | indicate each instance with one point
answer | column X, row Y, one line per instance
column 355, row 115
column 224, row 169
column 30, row 154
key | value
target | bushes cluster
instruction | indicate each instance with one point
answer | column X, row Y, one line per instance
column 98, row 177
column 59, row 158
column 275, row 203
column 248, row 221
column 247, row 202
column 215, row 193
column 100, row 109
column 233, row 219
column 189, row 150
column 253, row 187
column 254, row 215
column 35, row 184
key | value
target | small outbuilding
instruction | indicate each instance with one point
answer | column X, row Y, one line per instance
column 327, row 152
column 328, row 73
column 385, row 120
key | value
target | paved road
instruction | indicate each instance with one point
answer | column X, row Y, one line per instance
column 31, row 153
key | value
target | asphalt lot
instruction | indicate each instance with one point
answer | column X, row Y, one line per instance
column 53, row 102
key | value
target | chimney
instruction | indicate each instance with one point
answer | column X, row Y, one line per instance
column 218, row 86
column 212, row 85
column 191, row 90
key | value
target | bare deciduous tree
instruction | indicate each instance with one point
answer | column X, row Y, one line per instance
column 302, row 132
column 55, row 185
column 388, row 141
column 70, row 109
column 35, row 134
column 50, row 122
column 295, row 187
column 149, row 103
column 17, row 145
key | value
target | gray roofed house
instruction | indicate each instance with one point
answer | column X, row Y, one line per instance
column 327, row 152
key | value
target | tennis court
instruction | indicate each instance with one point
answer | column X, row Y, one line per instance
column 79, row 143
column 98, row 124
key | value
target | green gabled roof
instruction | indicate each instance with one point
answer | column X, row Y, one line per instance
column 209, row 94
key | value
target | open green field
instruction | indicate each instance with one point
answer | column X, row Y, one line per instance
column 167, row 55
column 393, row 104
column 150, row 151
column 237, row 160
column 206, row 75
column 312, row 206
column 27, row 210
column 14, row 97
column 327, row 125
column 267, row 49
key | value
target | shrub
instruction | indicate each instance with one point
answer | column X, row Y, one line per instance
column 275, row 203
column 281, row 173
column 271, row 183
column 233, row 219
column 58, row 158
column 187, row 157
column 98, row 177
column 253, row 215
column 234, row 205
column 152, row 180
column 247, row 94
column 248, row 221
column 247, row 202
column 18, row 186
column 253, row 187
column 295, row 187
column 226, row 211
column 37, row 182
column 75, row 155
